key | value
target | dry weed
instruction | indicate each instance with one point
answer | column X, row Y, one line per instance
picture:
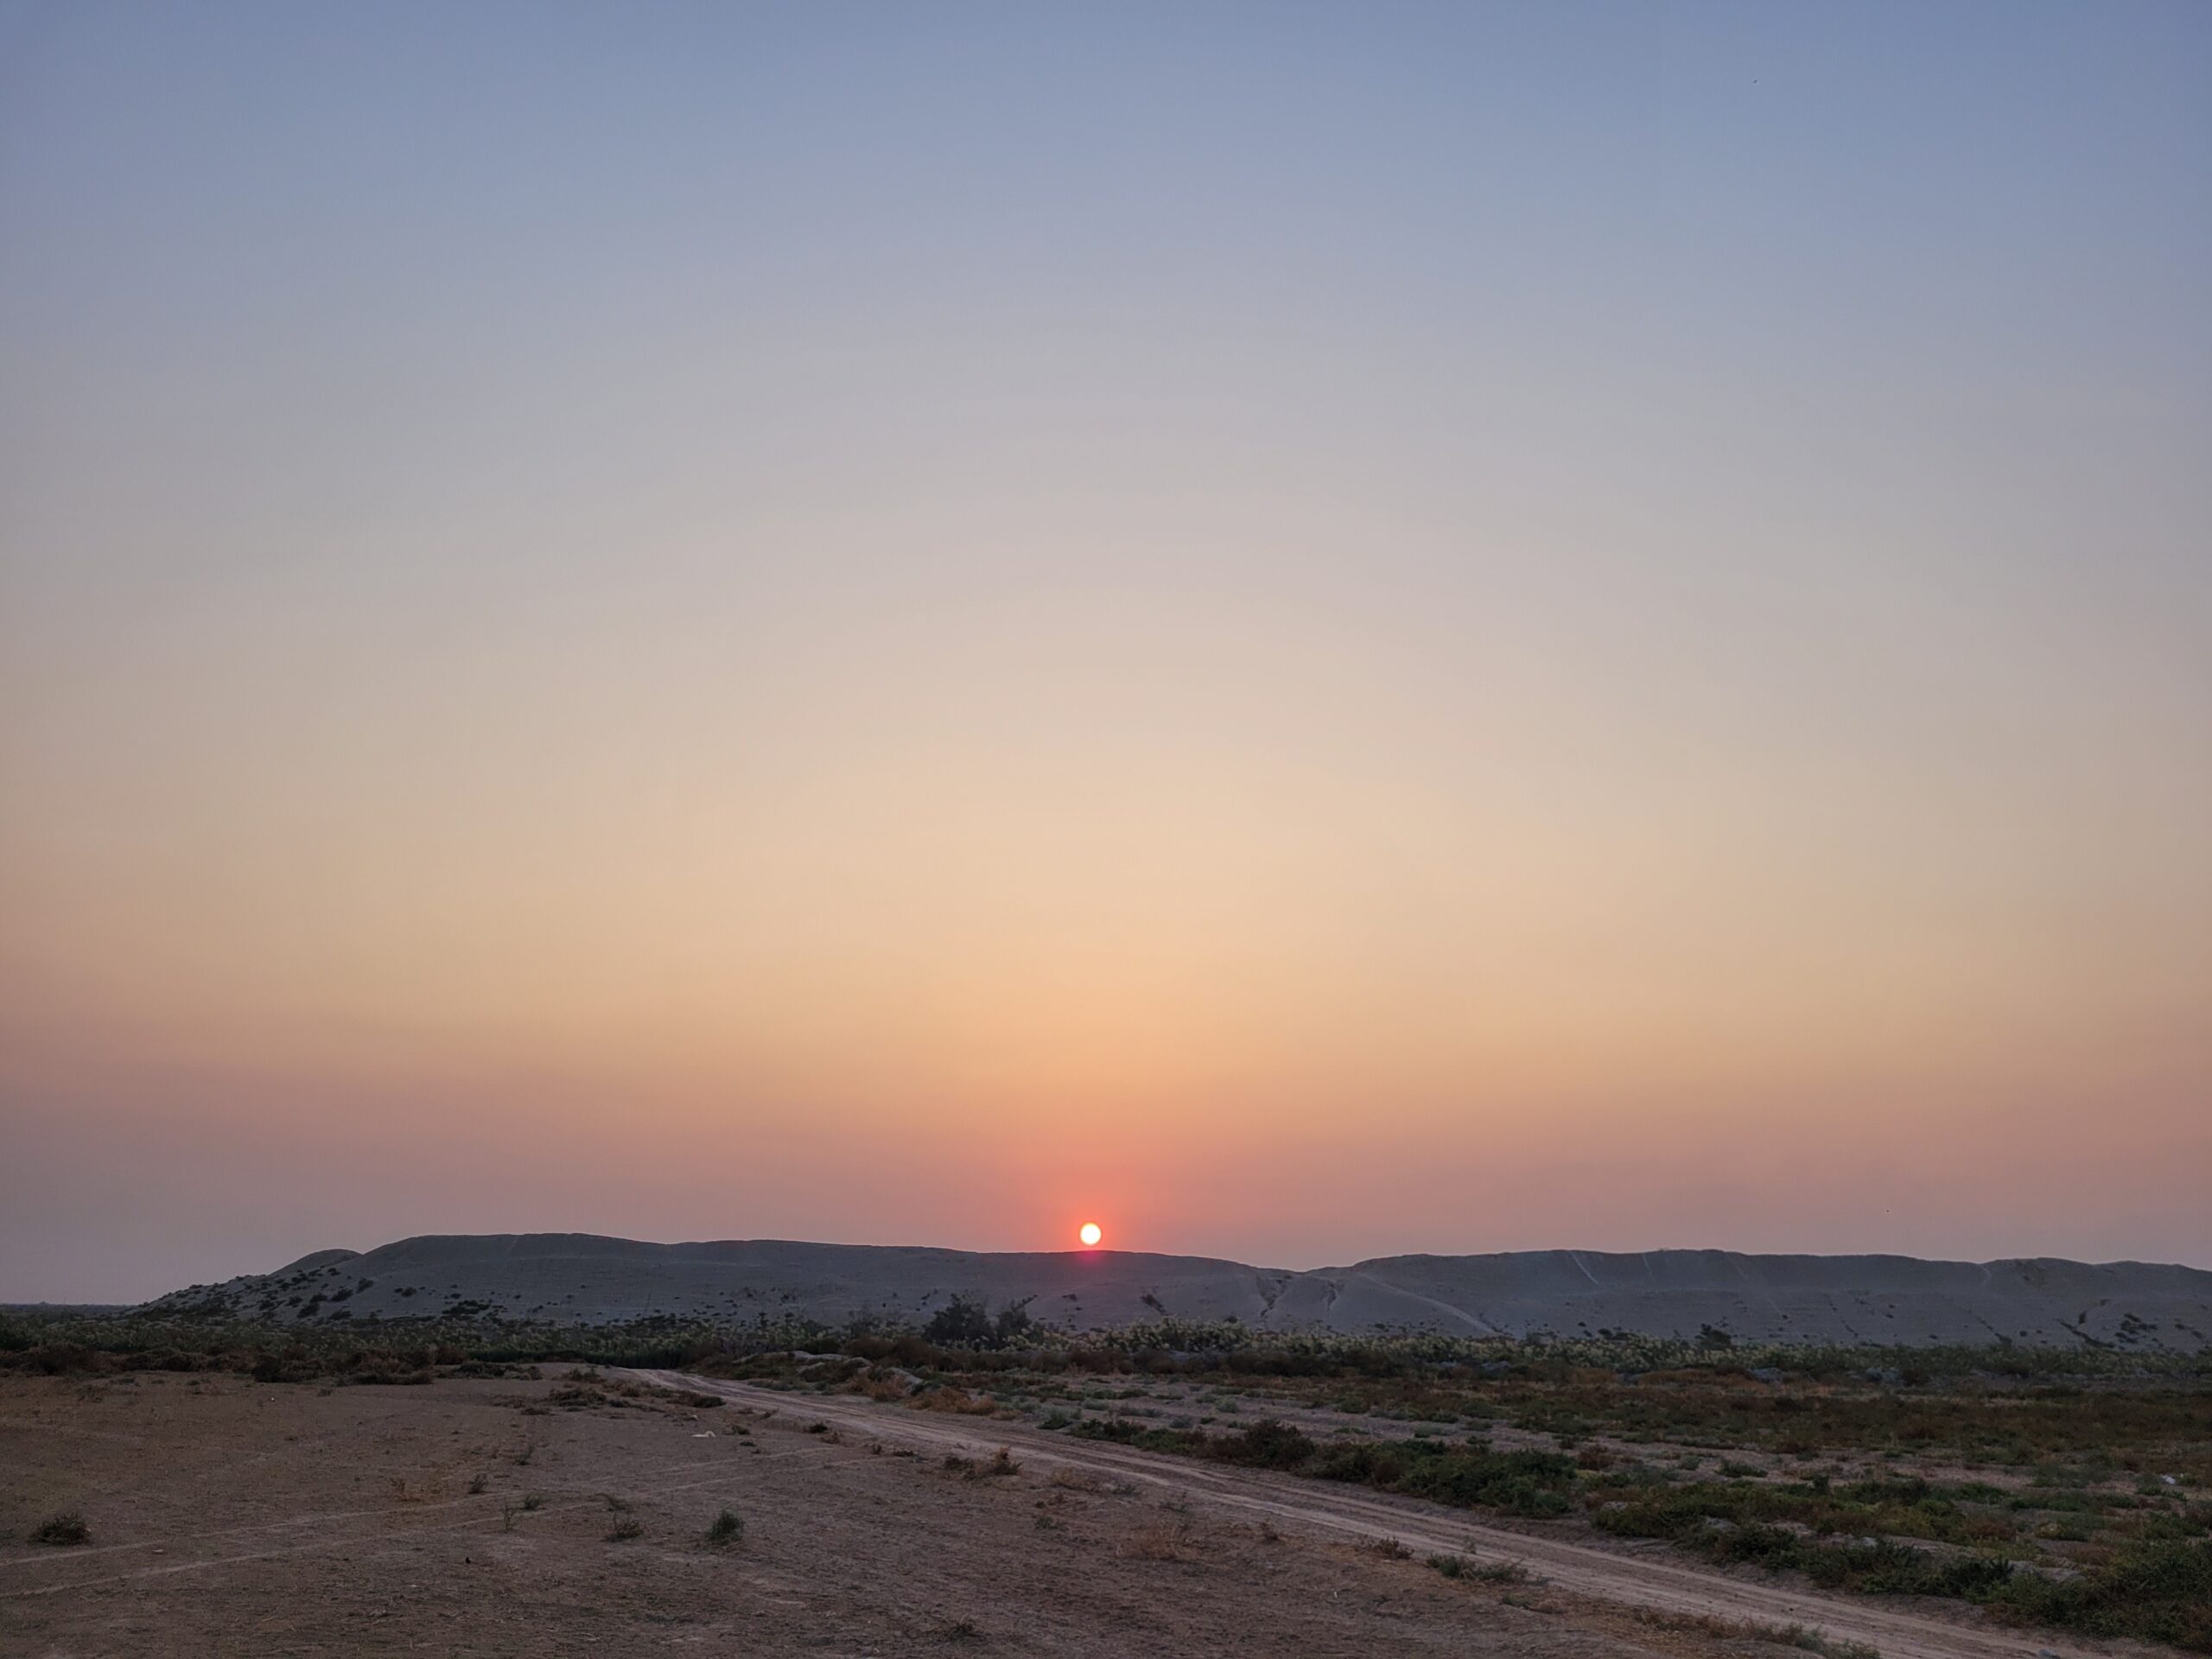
column 1165, row 1540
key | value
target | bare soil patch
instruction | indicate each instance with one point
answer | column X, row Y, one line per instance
column 494, row 1517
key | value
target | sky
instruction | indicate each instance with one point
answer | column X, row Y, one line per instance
column 1309, row 630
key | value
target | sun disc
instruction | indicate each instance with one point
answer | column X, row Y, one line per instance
column 1089, row 1233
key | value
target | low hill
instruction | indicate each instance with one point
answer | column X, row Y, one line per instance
column 581, row 1279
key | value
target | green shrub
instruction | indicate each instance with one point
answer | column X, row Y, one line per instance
column 1269, row 1445
column 2161, row 1591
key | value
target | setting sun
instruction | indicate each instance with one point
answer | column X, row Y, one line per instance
column 1089, row 1232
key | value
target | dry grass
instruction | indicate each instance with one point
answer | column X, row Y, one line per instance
column 1461, row 1567
column 1170, row 1540
column 958, row 1399
column 999, row 1465
column 1082, row 1480
column 1804, row 1637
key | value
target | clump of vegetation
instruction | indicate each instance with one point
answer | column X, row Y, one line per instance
column 1166, row 1540
column 1000, row 1463
column 1463, row 1474
column 67, row 1528
column 726, row 1528
column 969, row 1323
column 1458, row 1567
column 1810, row 1638
column 2160, row 1590
column 624, row 1529
column 1500, row 1572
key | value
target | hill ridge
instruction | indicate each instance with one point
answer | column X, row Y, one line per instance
column 591, row 1278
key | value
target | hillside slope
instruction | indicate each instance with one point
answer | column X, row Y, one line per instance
column 576, row 1277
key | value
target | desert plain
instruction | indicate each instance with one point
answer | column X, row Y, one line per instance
column 373, row 1491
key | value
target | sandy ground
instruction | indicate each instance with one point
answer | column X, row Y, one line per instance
column 234, row 1518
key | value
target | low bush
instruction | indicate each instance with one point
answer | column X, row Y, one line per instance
column 66, row 1529
column 2161, row 1591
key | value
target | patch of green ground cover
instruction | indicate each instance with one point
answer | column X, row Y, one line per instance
column 2133, row 1425
column 1907, row 1508
column 2157, row 1584
column 2158, row 1589
column 1462, row 1474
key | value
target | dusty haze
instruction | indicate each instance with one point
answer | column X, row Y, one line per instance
column 1316, row 636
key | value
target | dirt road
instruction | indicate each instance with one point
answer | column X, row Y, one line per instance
column 1656, row 1581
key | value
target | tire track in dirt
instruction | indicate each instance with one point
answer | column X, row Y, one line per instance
column 1666, row 1586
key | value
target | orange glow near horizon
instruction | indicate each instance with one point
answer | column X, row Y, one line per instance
column 1324, row 687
